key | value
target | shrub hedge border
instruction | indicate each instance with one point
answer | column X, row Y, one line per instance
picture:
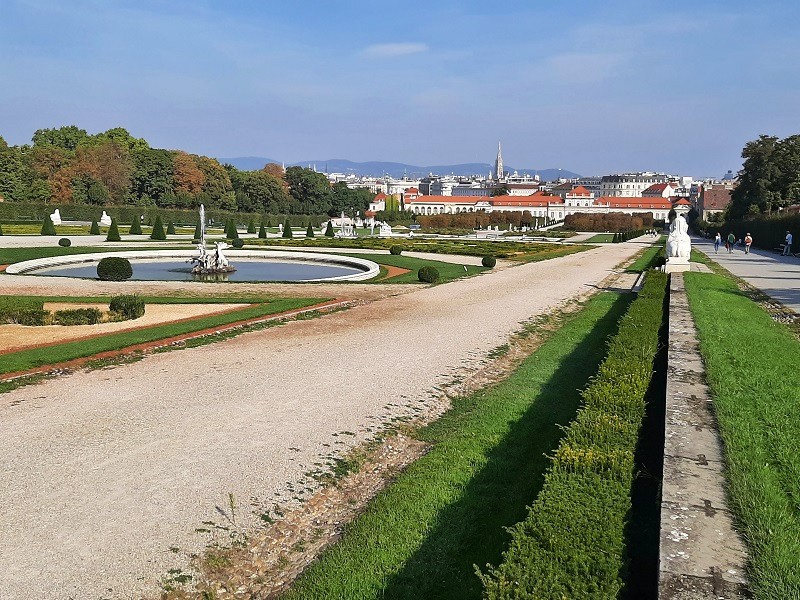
column 572, row 544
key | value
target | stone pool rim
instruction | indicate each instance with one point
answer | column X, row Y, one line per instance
column 370, row 268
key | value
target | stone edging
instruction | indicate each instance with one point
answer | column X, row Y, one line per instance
column 701, row 555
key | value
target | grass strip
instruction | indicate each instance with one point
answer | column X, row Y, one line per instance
column 37, row 357
column 572, row 543
column 648, row 258
column 10, row 256
column 422, row 535
column 753, row 370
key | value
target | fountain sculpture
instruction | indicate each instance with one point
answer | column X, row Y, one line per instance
column 210, row 262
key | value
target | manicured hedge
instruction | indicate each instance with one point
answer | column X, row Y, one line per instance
column 237, row 243
column 572, row 544
column 78, row 316
column 158, row 230
column 489, row 261
column 129, row 306
column 113, row 232
column 47, row 226
column 395, row 250
column 428, row 274
column 114, row 268
column 64, row 242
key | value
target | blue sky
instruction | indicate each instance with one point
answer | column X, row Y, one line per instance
column 593, row 87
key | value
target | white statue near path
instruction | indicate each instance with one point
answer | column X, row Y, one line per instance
column 679, row 245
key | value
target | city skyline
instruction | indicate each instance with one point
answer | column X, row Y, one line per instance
column 616, row 87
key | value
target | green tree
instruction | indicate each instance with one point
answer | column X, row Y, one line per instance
column 136, row 227
column 262, row 232
column 47, row 226
column 171, row 228
column 329, row 229
column 197, row 231
column 158, row 230
column 152, row 174
column 94, row 229
column 310, row 191
column 287, row 229
column 68, row 138
column 113, row 232
column 310, row 231
column 251, row 226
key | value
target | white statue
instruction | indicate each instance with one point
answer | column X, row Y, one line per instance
column 105, row 219
column 220, row 259
column 386, row 229
column 679, row 245
column 56, row 218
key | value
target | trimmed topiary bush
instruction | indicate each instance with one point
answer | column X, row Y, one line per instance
column 114, row 268
column 329, row 229
column 158, row 230
column 231, row 231
column 197, row 233
column 113, row 232
column 126, row 307
column 251, row 226
column 428, row 274
column 47, row 226
column 237, row 243
column 64, row 242
column 136, row 226
column 94, row 229
column 489, row 261
column 396, row 250
column 171, row 228
column 262, row 232
column 78, row 316
column 287, row 229
column 310, row 231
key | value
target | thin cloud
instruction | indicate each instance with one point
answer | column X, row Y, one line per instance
column 392, row 50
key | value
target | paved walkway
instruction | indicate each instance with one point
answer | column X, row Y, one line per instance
column 777, row 276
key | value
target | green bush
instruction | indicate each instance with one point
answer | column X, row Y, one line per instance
column 428, row 274
column 197, row 232
column 310, row 231
column 231, row 230
column 24, row 315
column 64, row 242
column 237, row 243
column 195, row 241
column 1, row 230
column 78, row 316
column 396, row 250
column 47, row 226
column 171, row 228
column 136, row 227
column 114, row 268
column 126, row 307
column 251, row 226
column 113, row 232
column 489, row 261
column 329, row 229
column 572, row 543
column 262, row 232
column 287, row 229
column 158, row 230
column 94, row 229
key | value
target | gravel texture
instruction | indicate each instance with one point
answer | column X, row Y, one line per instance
column 105, row 471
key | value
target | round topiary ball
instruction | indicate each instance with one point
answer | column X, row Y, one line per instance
column 428, row 275
column 489, row 261
column 396, row 250
column 114, row 268
column 237, row 243
column 64, row 243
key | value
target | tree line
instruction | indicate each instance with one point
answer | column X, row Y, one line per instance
column 67, row 165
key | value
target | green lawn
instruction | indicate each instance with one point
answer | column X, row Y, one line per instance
column 753, row 370
column 600, row 238
column 36, row 357
column 421, row 536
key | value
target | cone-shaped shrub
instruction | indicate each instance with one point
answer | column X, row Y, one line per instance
column 231, row 232
column 251, row 226
column 310, row 231
column 171, row 228
column 47, row 226
column 329, row 229
column 262, row 232
column 287, row 229
column 113, row 232
column 158, row 230
column 136, row 227
column 197, row 232
column 94, row 229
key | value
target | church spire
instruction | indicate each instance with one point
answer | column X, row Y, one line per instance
column 498, row 164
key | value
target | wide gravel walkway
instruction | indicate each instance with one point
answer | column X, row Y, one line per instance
column 105, row 471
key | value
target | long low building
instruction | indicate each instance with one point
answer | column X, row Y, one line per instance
column 539, row 204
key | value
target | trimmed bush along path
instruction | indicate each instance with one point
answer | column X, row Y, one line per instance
column 105, row 471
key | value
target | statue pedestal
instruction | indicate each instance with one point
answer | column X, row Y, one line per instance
column 677, row 264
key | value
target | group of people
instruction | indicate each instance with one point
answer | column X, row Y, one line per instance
column 731, row 241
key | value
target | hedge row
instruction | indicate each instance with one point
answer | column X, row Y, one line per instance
column 624, row 236
column 768, row 232
column 77, row 316
column 572, row 544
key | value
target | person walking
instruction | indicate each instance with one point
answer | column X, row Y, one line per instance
column 787, row 249
column 748, row 241
column 717, row 242
column 731, row 242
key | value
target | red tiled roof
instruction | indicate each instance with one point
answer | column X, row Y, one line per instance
column 657, row 188
column 682, row 202
column 412, row 190
column 579, row 191
column 715, row 198
column 379, row 197
column 446, row 200
column 623, row 202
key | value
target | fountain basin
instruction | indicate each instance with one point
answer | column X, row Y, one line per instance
column 252, row 265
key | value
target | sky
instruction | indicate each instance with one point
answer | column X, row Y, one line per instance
column 592, row 87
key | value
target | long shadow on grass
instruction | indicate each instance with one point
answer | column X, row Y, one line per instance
column 472, row 530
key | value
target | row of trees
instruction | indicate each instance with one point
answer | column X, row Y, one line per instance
column 615, row 221
column 67, row 165
column 770, row 177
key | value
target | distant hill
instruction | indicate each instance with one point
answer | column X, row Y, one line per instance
column 393, row 169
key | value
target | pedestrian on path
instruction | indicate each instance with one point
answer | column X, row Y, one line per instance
column 787, row 249
column 731, row 242
column 717, row 242
column 748, row 241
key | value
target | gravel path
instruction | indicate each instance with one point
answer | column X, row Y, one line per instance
column 105, row 471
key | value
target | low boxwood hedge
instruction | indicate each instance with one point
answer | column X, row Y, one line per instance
column 572, row 544
column 77, row 316
column 125, row 307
